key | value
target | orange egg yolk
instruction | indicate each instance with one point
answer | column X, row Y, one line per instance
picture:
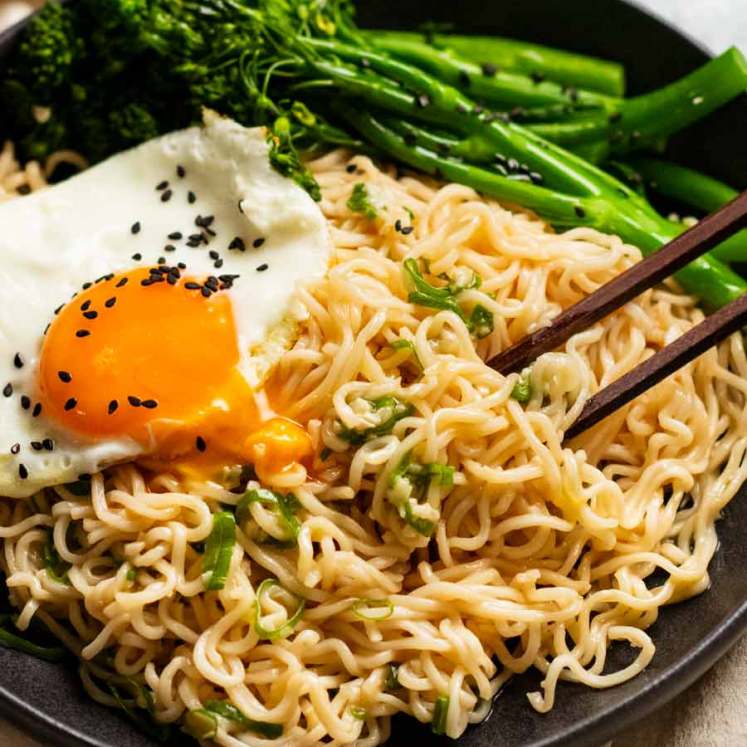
column 158, row 362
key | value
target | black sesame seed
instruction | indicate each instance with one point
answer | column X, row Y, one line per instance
column 86, row 286
column 90, row 314
column 161, row 186
column 262, row 268
column 113, row 405
column 64, row 377
column 135, row 227
column 258, row 242
column 213, row 254
column 137, row 257
column 134, row 401
column 82, row 333
column 212, row 282
column 580, row 212
column 218, row 263
column 17, row 360
column 182, row 266
column 85, row 305
column 175, row 235
column 350, row 168
column 200, row 443
column 147, row 281
column 192, row 286
column 166, row 196
column 180, row 172
column 110, row 302
column 58, row 309
column 149, row 404
column 37, row 410
column 36, row 445
column 172, row 279
column 239, row 206
column 70, row 404
column 191, row 197
column 48, row 444
column 162, row 260
column 204, row 221
column 25, row 402
column 23, row 473
column 8, row 390
column 15, row 448
column 121, row 282
column 237, row 243
column 488, row 69
column 169, row 248
column 406, row 230
column 206, row 292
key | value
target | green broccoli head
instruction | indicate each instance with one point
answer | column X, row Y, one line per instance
column 48, row 52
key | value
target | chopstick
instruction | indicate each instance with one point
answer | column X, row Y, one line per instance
column 647, row 273
column 694, row 342
column 711, row 231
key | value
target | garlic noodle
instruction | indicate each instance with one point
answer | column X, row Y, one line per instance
column 443, row 539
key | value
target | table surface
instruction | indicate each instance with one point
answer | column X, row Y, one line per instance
column 713, row 712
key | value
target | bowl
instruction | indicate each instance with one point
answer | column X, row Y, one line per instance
column 48, row 701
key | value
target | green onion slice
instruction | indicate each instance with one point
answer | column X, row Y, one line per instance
column 360, row 713
column 201, row 724
column 440, row 712
column 56, row 567
column 227, row 710
column 373, row 610
column 9, row 639
column 392, row 677
column 218, row 549
column 272, row 634
column 286, row 506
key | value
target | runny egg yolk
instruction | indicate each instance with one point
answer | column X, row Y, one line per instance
column 158, row 361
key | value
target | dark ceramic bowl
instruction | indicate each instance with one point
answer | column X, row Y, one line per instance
column 48, row 701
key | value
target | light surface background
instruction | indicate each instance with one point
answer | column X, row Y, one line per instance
column 713, row 712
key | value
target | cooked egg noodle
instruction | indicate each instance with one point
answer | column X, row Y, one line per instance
column 444, row 538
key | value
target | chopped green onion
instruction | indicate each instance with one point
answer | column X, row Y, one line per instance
column 9, row 639
column 286, row 506
column 131, row 574
column 227, row 710
column 398, row 409
column 440, row 714
column 421, row 526
column 480, row 322
column 286, row 628
column 522, row 391
column 360, row 713
column 218, row 550
column 201, row 724
column 373, row 610
column 392, row 677
column 409, row 346
column 56, row 567
column 360, row 202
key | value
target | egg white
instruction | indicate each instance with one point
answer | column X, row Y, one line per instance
column 55, row 240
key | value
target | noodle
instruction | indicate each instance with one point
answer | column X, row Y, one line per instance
column 542, row 555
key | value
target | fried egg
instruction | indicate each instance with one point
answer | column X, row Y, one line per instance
column 140, row 302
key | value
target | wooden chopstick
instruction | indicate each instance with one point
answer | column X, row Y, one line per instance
column 652, row 270
column 712, row 330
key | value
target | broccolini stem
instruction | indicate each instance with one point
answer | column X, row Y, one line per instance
column 697, row 190
column 561, row 66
